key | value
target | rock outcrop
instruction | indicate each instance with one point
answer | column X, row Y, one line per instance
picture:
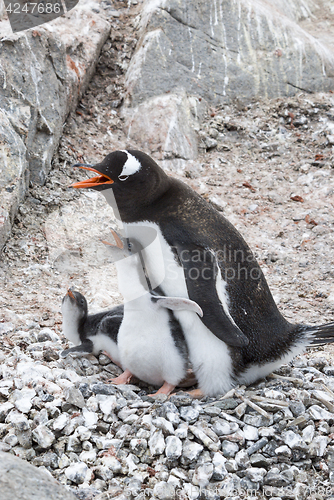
column 189, row 56
column 22, row 481
column 218, row 52
column 223, row 50
column 43, row 72
column 165, row 125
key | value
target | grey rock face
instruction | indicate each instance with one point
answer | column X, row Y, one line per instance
column 11, row 190
column 21, row 480
column 192, row 55
column 40, row 82
column 166, row 123
column 226, row 51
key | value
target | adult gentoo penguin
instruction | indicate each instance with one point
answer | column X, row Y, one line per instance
column 150, row 339
column 90, row 333
column 242, row 335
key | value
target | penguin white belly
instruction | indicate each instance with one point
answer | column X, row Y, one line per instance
column 145, row 342
column 146, row 345
column 70, row 327
column 160, row 261
column 209, row 356
column 256, row 371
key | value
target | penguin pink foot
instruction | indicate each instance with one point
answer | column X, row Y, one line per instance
column 196, row 394
column 189, row 380
column 124, row 378
column 165, row 389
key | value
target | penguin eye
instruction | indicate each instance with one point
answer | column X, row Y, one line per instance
column 130, row 247
column 123, row 177
column 81, row 301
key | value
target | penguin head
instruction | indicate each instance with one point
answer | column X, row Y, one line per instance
column 133, row 176
column 75, row 305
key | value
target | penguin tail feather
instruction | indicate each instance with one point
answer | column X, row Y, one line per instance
column 319, row 335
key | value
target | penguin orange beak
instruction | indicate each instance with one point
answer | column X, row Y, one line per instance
column 93, row 181
column 70, row 294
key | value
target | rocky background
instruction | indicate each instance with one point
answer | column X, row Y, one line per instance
column 262, row 154
column 43, row 72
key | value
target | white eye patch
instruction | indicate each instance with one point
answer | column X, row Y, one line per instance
column 131, row 166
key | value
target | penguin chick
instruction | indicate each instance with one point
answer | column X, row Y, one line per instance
column 150, row 339
column 90, row 333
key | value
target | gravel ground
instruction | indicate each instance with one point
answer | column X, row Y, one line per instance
column 269, row 167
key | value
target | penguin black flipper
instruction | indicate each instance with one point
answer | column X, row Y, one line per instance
column 86, row 347
column 111, row 323
column 201, row 272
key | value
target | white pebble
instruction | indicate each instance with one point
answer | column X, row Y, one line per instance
column 77, row 472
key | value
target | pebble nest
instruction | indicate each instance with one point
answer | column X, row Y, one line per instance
column 274, row 439
column 268, row 166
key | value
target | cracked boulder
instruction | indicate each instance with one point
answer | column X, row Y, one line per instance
column 13, row 174
column 225, row 50
column 165, row 125
column 43, row 72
